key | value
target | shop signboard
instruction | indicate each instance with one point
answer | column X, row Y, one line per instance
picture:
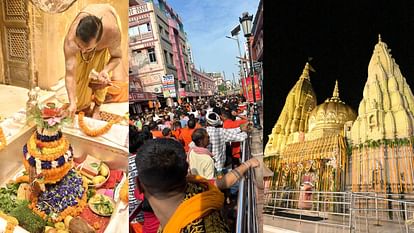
column 168, row 86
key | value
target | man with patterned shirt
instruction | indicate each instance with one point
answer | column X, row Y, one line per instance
column 219, row 137
column 182, row 203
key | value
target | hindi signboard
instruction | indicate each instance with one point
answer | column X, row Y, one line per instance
column 168, row 86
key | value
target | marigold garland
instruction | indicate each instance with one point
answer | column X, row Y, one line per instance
column 3, row 141
column 47, row 154
column 95, row 132
column 53, row 175
column 52, row 144
column 72, row 210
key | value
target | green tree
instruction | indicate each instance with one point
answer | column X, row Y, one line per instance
column 222, row 89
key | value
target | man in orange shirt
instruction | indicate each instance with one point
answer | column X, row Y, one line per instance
column 154, row 130
column 229, row 123
column 186, row 133
column 177, row 129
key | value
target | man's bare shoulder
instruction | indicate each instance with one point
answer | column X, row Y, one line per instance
column 70, row 47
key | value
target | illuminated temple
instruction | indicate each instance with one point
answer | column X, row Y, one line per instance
column 382, row 152
column 336, row 149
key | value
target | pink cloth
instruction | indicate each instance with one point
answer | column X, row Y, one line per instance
column 151, row 223
column 200, row 150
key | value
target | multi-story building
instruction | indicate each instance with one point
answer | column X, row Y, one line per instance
column 218, row 79
column 257, row 43
column 158, row 48
column 204, row 84
column 190, row 53
column 257, row 31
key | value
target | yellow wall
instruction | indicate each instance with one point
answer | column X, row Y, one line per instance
column 47, row 35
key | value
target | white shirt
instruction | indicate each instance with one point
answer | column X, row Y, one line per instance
column 201, row 164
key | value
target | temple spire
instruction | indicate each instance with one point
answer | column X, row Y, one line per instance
column 335, row 94
column 305, row 72
column 336, row 91
column 379, row 38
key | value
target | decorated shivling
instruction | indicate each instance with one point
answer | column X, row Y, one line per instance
column 54, row 193
column 332, row 148
column 58, row 190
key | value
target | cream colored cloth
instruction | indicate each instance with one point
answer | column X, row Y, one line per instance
column 120, row 217
column 201, row 164
column 17, row 229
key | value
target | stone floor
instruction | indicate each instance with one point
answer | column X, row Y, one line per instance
column 257, row 152
column 274, row 224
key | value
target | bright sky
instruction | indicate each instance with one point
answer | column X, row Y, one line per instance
column 206, row 23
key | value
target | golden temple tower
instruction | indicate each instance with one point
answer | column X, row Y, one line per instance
column 293, row 119
column 318, row 156
column 300, row 101
column 381, row 136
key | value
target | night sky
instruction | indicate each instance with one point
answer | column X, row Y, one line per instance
column 340, row 37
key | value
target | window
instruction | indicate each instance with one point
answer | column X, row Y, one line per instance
column 143, row 28
column 161, row 29
column 166, row 57
column 133, row 31
column 171, row 59
column 151, row 55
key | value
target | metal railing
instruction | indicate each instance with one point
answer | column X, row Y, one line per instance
column 350, row 211
column 247, row 221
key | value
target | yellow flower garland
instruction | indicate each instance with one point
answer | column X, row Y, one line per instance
column 96, row 132
column 47, row 154
column 3, row 141
column 72, row 210
column 53, row 175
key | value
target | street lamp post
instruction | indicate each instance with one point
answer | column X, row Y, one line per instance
column 241, row 62
column 246, row 23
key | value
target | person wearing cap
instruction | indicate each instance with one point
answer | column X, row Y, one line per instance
column 219, row 137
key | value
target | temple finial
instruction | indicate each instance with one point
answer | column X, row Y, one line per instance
column 336, row 91
column 379, row 38
column 305, row 72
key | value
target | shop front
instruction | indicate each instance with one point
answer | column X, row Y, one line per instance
column 138, row 101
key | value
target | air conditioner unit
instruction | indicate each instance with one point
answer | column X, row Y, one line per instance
column 157, row 90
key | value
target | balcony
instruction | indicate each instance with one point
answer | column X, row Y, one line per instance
column 140, row 37
column 138, row 9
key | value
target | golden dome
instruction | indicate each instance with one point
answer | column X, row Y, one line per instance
column 332, row 114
